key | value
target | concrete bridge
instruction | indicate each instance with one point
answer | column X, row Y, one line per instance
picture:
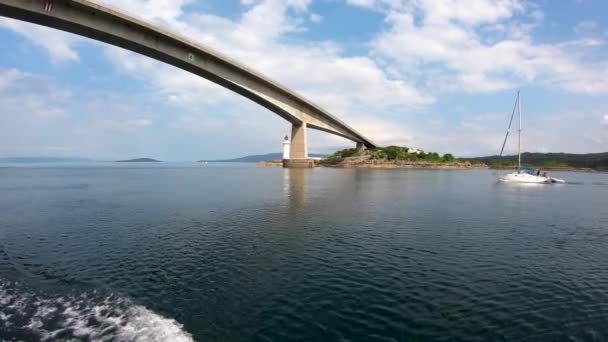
column 97, row 22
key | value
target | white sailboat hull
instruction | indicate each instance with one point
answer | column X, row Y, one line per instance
column 519, row 176
column 523, row 177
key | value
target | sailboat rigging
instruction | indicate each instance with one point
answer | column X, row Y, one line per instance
column 522, row 175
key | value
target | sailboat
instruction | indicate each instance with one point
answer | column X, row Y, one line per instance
column 522, row 175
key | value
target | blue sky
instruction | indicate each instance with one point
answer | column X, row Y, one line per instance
column 439, row 75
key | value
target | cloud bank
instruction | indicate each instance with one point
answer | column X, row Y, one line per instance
column 393, row 90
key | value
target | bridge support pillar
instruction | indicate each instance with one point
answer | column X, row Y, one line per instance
column 298, row 154
column 360, row 147
column 299, row 143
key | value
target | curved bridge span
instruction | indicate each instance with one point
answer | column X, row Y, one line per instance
column 98, row 22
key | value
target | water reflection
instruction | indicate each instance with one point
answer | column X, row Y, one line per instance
column 523, row 186
column 316, row 255
column 295, row 187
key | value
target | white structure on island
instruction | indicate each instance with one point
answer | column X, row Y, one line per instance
column 286, row 147
column 414, row 150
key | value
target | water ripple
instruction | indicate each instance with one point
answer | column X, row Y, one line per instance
column 338, row 256
column 26, row 316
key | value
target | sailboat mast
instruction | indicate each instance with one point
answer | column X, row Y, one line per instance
column 519, row 138
column 504, row 143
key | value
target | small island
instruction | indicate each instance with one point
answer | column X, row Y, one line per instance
column 397, row 157
column 139, row 160
column 393, row 157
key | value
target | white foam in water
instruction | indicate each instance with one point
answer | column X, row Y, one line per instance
column 28, row 316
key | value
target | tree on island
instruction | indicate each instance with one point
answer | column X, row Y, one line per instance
column 395, row 153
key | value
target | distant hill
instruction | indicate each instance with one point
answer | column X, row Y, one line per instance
column 44, row 160
column 259, row 157
column 598, row 161
column 139, row 160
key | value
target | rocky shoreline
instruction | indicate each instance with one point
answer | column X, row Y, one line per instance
column 366, row 163
column 362, row 162
column 272, row 163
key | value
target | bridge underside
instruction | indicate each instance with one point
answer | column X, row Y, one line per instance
column 97, row 22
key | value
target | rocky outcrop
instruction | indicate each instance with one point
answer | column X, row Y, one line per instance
column 270, row 163
column 366, row 162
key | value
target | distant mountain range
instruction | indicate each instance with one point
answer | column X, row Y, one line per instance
column 139, row 160
column 598, row 161
column 259, row 157
column 65, row 160
column 44, row 160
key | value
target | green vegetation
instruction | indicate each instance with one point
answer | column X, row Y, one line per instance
column 503, row 164
column 598, row 161
column 553, row 164
column 349, row 152
column 395, row 153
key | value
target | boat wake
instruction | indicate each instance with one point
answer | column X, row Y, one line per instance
column 32, row 317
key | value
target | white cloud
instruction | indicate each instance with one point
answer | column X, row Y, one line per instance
column 179, row 87
column 605, row 120
column 315, row 18
column 483, row 134
column 347, row 86
column 40, row 116
column 57, row 148
column 351, row 87
column 22, row 93
column 362, row 3
column 385, row 132
column 379, row 5
column 139, row 122
column 59, row 44
column 162, row 12
column 585, row 27
column 469, row 12
column 8, row 77
column 123, row 124
column 454, row 38
column 428, row 47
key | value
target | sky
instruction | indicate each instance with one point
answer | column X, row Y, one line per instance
column 437, row 75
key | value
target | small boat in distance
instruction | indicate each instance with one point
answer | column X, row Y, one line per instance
column 523, row 175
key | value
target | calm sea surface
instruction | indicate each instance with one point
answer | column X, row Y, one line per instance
column 180, row 252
